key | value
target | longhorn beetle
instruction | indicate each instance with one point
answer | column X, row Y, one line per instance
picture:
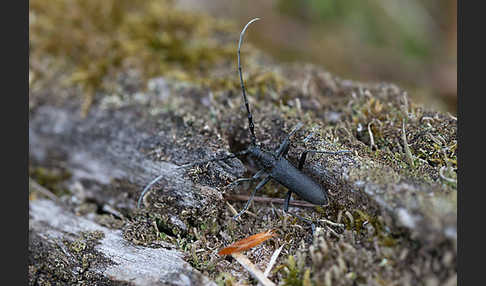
column 274, row 165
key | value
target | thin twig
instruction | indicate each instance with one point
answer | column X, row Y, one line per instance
column 451, row 116
column 298, row 203
column 427, row 118
column 273, row 259
column 298, row 106
column 42, row 190
column 233, row 210
column 112, row 211
column 332, row 231
column 305, row 85
column 372, row 140
column 441, row 174
column 405, row 104
column 408, row 153
column 250, row 267
column 331, row 222
column 350, row 217
column 340, row 216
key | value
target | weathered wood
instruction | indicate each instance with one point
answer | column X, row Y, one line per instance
column 122, row 145
column 113, row 257
column 105, row 156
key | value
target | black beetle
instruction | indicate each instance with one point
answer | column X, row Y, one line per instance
column 274, row 165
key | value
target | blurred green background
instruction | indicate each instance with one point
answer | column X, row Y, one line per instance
column 411, row 43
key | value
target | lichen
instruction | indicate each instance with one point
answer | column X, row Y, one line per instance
column 69, row 262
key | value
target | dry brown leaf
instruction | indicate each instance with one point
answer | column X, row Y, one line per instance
column 248, row 242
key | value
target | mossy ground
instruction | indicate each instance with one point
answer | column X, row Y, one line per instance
column 89, row 43
column 69, row 262
column 153, row 38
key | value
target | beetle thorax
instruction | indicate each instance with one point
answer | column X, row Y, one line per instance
column 264, row 158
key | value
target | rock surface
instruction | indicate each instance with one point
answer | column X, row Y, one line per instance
column 122, row 260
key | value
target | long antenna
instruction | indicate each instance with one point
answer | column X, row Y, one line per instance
column 250, row 118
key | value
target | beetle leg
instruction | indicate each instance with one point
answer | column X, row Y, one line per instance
column 259, row 186
column 145, row 190
column 256, row 176
column 286, row 210
column 287, row 201
column 284, row 147
column 189, row 165
column 304, row 155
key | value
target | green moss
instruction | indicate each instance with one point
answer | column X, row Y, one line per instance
column 93, row 42
column 430, row 144
column 294, row 273
column 361, row 219
column 82, row 255
column 78, row 245
column 50, row 178
column 225, row 279
column 97, row 39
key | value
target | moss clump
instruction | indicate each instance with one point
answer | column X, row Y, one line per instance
column 94, row 39
column 409, row 138
column 295, row 273
column 77, row 246
column 94, row 42
column 68, row 263
column 148, row 229
column 50, row 178
column 225, row 279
